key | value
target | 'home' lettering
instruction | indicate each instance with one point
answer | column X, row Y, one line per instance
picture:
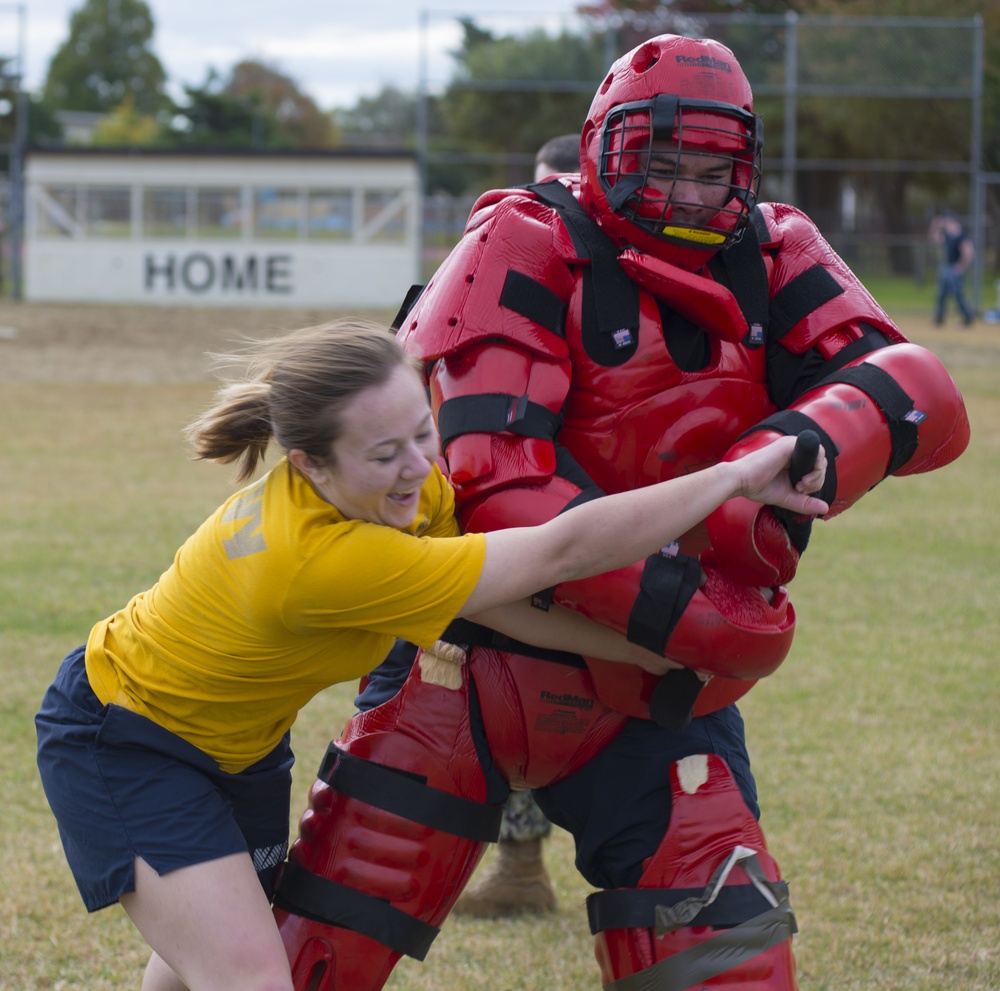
column 199, row 273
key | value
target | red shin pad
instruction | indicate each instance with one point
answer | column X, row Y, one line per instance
column 395, row 827
column 710, row 910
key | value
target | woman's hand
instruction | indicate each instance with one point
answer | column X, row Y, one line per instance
column 765, row 479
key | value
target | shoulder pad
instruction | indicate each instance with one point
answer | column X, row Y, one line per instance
column 510, row 277
column 814, row 294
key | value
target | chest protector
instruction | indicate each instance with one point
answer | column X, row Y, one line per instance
column 561, row 368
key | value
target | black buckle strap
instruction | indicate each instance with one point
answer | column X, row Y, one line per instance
column 469, row 634
column 635, row 908
column 728, row 948
column 304, row 893
column 405, row 795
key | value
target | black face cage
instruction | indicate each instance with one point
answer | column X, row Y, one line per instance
column 630, row 131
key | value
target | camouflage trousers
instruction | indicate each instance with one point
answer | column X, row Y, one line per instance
column 523, row 819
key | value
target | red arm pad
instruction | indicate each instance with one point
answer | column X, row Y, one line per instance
column 726, row 629
column 896, row 411
column 750, row 544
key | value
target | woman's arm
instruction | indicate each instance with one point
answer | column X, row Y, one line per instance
column 619, row 529
column 562, row 629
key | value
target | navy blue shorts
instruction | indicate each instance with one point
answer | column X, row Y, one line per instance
column 123, row 787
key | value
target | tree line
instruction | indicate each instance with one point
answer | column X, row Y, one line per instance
column 510, row 93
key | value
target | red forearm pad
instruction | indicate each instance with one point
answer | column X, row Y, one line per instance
column 897, row 411
column 748, row 542
column 520, row 505
column 943, row 432
column 732, row 630
column 750, row 545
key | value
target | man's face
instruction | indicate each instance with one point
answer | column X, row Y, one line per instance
column 695, row 184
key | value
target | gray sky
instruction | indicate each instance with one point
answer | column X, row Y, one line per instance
column 337, row 50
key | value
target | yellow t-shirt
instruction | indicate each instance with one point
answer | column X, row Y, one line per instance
column 274, row 598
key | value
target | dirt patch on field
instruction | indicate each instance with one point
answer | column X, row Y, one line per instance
column 91, row 343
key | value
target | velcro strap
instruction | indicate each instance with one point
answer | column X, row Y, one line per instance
column 872, row 340
column 304, row 893
column 404, row 795
column 493, row 413
column 635, row 908
column 537, row 302
column 667, row 584
column 741, row 267
column 665, row 115
column 611, row 303
column 791, row 422
column 896, row 406
column 805, row 293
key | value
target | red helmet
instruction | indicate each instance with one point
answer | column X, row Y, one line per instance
column 672, row 149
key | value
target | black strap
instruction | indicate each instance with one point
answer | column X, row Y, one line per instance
column 872, row 340
column 896, row 405
column 635, row 908
column 667, row 584
column 742, row 270
column 412, row 295
column 672, row 701
column 791, row 422
column 469, row 634
column 493, row 413
column 808, row 291
column 404, row 795
column 728, row 948
column 537, row 302
column 304, row 893
column 611, row 297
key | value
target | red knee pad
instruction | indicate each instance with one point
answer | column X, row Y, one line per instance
column 710, row 909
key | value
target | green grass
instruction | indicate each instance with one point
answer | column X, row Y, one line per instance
column 902, row 295
column 876, row 745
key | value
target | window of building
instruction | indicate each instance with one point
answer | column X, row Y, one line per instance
column 330, row 214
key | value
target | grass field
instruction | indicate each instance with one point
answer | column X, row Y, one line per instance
column 876, row 746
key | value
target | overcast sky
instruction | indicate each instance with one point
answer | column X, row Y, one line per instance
column 336, row 50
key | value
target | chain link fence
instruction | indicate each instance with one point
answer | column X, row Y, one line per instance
column 848, row 104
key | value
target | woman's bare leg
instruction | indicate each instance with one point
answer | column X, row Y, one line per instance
column 210, row 927
column 159, row 977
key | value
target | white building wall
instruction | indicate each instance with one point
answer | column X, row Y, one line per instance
column 338, row 231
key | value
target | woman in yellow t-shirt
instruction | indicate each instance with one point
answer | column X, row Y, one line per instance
column 164, row 742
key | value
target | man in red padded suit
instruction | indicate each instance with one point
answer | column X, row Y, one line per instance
column 590, row 335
